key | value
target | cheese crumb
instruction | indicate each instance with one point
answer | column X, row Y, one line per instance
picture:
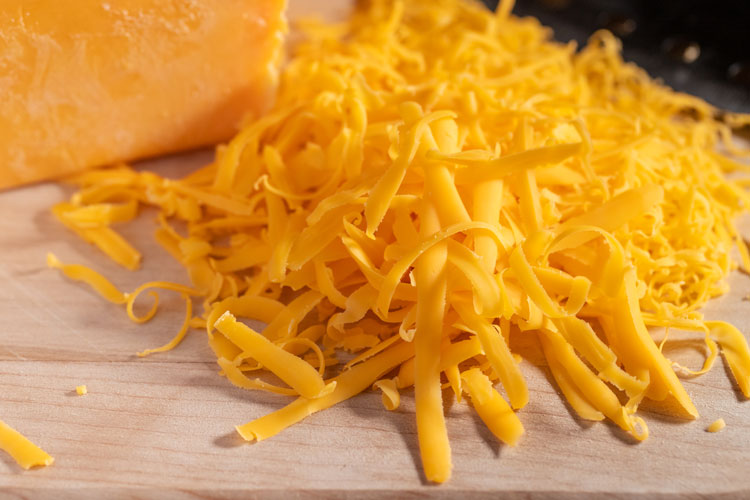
column 716, row 426
column 81, row 390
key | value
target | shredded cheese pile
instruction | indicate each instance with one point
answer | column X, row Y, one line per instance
column 434, row 181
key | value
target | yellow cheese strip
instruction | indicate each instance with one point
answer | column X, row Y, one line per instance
column 431, row 289
column 488, row 200
column 453, row 374
column 260, row 308
column 391, row 397
column 609, row 270
column 372, row 351
column 484, row 169
column 348, row 384
column 245, row 257
column 451, row 355
column 101, row 214
column 492, row 408
column 381, row 194
column 487, row 295
column 23, row 451
column 620, row 209
column 528, row 193
column 311, row 334
column 566, row 382
column 246, row 139
column 313, row 239
column 596, row 391
column 95, row 280
column 107, row 240
column 376, row 279
column 399, row 268
column 499, row 356
column 439, row 179
column 735, row 350
column 581, row 336
column 298, row 374
column 324, row 279
column 238, row 379
column 81, row 390
column 357, row 305
column 225, row 204
column 286, row 321
column 531, row 285
column 637, row 349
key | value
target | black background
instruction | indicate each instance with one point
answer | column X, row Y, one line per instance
column 661, row 29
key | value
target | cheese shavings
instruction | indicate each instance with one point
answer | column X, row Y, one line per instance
column 435, row 182
column 23, row 451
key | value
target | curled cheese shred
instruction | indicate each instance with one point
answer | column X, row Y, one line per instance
column 180, row 334
column 391, row 397
column 434, row 180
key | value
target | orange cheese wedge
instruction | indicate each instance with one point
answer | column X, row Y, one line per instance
column 108, row 81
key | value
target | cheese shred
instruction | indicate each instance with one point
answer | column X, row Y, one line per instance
column 23, row 451
column 435, row 182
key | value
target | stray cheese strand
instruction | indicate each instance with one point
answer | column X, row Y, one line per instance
column 23, row 451
column 435, row 183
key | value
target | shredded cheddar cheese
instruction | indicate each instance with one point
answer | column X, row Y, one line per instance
column 435, row 181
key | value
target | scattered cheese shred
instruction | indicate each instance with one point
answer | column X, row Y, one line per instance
column 23, row 451
column 435, row 182
column 81, row 390
column 716, row 425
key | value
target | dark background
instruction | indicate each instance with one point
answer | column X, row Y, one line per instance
column 664, row 37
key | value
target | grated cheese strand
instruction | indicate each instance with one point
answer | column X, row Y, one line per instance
column 297, row 373
column 23, row 451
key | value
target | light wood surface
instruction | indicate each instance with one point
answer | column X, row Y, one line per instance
column 163, row 426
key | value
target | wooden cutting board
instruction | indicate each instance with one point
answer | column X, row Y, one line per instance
column 164, row 425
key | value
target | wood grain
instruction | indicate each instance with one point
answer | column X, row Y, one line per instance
column 164, row 425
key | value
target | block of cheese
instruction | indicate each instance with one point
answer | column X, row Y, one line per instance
column 92, row 82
